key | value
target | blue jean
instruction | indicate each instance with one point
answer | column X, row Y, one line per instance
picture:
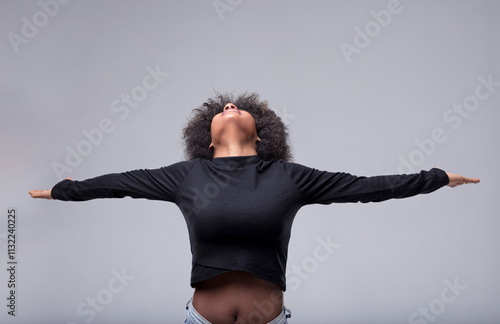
column 193, row 317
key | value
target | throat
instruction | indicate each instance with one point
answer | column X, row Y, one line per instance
column 234, row 150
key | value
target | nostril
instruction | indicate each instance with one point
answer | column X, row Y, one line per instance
column 229, row 106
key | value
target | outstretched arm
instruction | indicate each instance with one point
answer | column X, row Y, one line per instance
column 327, row 187
column 155, row 184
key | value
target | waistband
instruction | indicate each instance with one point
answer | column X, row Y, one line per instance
column 193, row 317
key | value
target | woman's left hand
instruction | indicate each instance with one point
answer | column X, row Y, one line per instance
column 458, row 180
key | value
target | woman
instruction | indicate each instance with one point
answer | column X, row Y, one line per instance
column 239, row 193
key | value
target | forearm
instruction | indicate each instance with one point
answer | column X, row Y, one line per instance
column 380, row 188
column 94, row 188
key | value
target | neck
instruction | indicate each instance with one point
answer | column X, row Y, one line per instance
column 235, row 150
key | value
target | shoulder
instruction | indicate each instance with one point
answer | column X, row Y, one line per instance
column 291, row 166
column 292, row 169
column 181, row 166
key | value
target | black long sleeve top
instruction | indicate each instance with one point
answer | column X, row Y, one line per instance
column 239, row 210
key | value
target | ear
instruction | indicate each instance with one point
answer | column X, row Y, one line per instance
column 211, row 146
column 258, row 139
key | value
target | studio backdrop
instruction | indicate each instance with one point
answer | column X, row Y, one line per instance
column 365, row 87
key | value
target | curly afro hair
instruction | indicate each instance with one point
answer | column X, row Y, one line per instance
column 274, row 144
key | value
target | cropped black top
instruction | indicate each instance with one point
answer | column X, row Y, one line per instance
column 239, row 210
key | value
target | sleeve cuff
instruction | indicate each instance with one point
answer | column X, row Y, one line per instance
column 442, row 174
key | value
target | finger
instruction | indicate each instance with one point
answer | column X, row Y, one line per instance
column 471, row 180
column 34, row 193
column 463, row 181
column 39, row 194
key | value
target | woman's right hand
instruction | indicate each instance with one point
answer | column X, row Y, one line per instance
column 41, row 194
column 46, row 194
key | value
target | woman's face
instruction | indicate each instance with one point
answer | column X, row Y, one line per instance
column 233, row 124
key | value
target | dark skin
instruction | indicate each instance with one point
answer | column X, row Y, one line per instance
column 237, row 296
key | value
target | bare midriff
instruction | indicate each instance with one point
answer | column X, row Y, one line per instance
column 238, row 297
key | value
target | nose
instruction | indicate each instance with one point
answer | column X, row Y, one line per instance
column 230, row 106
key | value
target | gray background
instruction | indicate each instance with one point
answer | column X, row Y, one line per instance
column 364, row 117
